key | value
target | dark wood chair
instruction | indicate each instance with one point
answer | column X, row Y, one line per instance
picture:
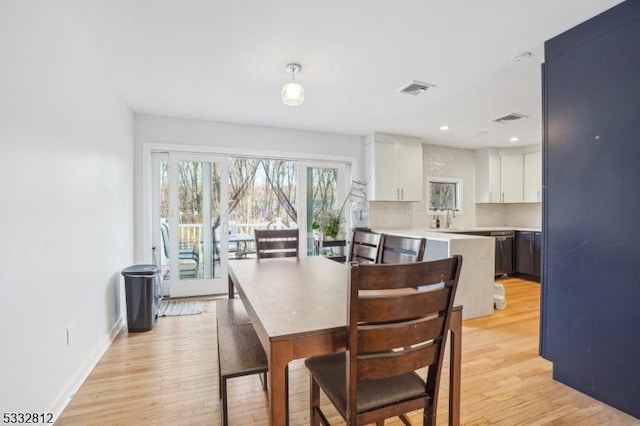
column 365, row 246
column 398, row 322
column 399, row 249
column 277, row 243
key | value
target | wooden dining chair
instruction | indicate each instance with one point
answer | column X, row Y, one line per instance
column 277, row 243
column 398, row 322
column 365, row 246
column 399, row 249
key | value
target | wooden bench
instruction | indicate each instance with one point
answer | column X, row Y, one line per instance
column 240, row 352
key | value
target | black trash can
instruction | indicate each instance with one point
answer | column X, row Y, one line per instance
column 141, row 283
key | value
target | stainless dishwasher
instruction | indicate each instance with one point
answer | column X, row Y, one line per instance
column 504, row 252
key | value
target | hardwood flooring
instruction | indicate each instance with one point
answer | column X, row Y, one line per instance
column 168, row 376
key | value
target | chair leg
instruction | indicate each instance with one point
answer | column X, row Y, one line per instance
column 223, row 390
column 314, row 402
column 428, row 417
column 405, row 419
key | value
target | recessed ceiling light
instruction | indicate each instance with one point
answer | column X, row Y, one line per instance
column 514, row 139
column 444, row 128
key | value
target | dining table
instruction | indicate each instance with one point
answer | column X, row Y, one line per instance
column 298, row 307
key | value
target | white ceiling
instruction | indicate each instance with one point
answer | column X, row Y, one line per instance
column 225, row 61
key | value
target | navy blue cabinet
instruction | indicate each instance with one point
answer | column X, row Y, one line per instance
column 590, row 307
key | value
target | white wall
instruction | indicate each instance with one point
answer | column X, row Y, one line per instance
column 66, row 173
column 231, row 139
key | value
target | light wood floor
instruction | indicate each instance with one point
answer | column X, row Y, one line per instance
column 168, row 376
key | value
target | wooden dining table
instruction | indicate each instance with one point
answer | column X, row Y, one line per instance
column 298, row 307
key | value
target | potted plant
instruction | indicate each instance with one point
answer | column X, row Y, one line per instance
column 332, row 229
column 330, row 224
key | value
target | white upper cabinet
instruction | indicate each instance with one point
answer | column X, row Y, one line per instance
column 394, row 168
column 487, row 176
column 533, row 177
column 511, row 178
column 508, row 175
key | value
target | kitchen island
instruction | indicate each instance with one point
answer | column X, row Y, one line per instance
column 475, row 286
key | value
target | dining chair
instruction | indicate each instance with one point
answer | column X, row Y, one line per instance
column 365, row 246
column 277, row 243
column 398, row 322
column 399, row 249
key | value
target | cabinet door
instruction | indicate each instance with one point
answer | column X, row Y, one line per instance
column 537, row 254
column 409, row 168
column 525, row 263
column 382, row 172
column 488, row 179
column 532, row 177
column 511, row 178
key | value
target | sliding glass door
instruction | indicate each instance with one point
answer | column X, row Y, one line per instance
column 326, row 211
column 189, row 222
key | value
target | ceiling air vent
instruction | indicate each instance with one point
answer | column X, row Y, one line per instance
column 509, row 117
column 415, row 88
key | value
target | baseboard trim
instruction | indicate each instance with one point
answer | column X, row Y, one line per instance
column 87, row 368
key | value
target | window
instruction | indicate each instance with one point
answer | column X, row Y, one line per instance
column 444, row 194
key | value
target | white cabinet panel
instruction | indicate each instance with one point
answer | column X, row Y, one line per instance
column 394, row 171
column 488, row 178
column 533, row 177
column 511, row 178
column 410, row 172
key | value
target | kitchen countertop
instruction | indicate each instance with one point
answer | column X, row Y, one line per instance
column 432, row 234
column 442, row 234
column 476, row 283
column 463, row 229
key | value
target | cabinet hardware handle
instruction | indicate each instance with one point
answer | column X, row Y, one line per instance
column 402, row 192
column 530, row 247
column 503, row 197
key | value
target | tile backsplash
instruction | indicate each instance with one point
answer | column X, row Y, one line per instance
column 527, row 215
column 400, row 215
column 389, row 214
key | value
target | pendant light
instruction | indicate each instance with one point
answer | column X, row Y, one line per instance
column 292, row 93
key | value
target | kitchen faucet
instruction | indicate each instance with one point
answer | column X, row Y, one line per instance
column 451, row 214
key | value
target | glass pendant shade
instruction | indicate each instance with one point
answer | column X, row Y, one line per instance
column 292, row 94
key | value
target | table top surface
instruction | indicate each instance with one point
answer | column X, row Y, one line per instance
column 294, row 296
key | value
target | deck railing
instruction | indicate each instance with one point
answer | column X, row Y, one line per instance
column 193, row 231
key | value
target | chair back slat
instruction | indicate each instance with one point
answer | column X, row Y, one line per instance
column 396, row 363
column 364, row 254
column 411, row 275
column 402, row 307
column 398, row 249
column 272, row 243
column 365, row 246
column 380, row 338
